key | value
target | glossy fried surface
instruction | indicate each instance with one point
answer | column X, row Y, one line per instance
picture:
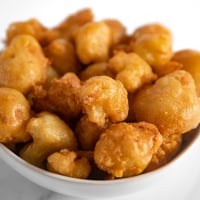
column 69, row 164
column 104, row 99
column 153, row 42
column 93, row 42
column 14, row 115
column 125, row 149
column 131, row 70
column 22, row 64
column 171, row 104
column 190, row 59
column 50, row 134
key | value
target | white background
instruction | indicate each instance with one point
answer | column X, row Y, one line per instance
column 181, row 16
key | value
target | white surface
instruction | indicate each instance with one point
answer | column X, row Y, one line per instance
column 181, row 16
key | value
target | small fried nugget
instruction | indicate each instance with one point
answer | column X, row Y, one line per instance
column 125, row 149
column 68, row 163
column 50, row 134
column 61, row 97
column 14, row 115
column 62, row 56
column 95, row 69
column 190, row 59
column 171, row 104
column 166, row 152
column 118, row 30
column 23, row 64
column 67, row 28
column 131, row 70
column 87, row 133
column 104, row 99
column 92, row 42
column 153, row 42
column 31, row 27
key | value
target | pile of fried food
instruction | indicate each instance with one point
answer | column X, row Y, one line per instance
column 85, row 99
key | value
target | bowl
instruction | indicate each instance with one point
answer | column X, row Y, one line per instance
column 97, row 188
column 109, row 188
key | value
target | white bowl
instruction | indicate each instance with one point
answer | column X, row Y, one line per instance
column 95, row 188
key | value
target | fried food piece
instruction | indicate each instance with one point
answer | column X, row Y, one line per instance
column 67, row 28
column 131, row 70
column 68, row 163
column 50, row 134
column 153, row 42
column 14, row 114
column 62, row 97
column 104, row 99
column 92, row 42
column 190, row 59
column 118, row 30
column 166, row 152
column 23, row 64
column 87, row 133
column 171, row 104
column 51, row 75
column 96, row 69
column 31, row 27
column 62, row 56
column 125, row 149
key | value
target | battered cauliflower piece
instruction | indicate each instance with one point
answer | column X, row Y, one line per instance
column 62, row 55
column 50, row 134
column 118, row 30
column 87, row 133
column 131, row 70
column 67, row 28
column 125, row 149
column 92, row 42
column 22, row 64
column 171, row 104
column 153, row 42
column 14, row 115
column 31, row 27
column 166, row 152
column 95, row 69
column 62, row 97
column 190, row 59
column 103, row 99
column 68, row 163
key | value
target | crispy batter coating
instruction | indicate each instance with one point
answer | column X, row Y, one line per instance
column 68, row 163
column 171, row 104
column 62, row 56
column 131, row 70
column 92, row 42
column 67, row 28
column 95, row 69
column 102, row 99
column 14, row 114
column 153, row 42
column 22, row 64
column 125, row 149
column 166, row 152
column 31, row 27
column 62, row 97
column 87, row 133
column 50, row 134
column 118, row 30
column 190, row 59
